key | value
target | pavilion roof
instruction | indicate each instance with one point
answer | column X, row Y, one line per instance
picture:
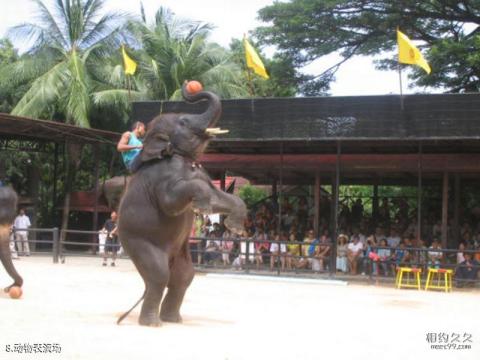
column 23, row 128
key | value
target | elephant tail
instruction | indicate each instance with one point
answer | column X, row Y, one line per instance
column 120, row 319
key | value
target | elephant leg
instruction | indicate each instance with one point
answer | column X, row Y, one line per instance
column 181, row 276
column 6, row 257
column 152, row 264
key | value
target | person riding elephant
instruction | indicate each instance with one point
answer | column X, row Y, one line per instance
column 156, row 212
column 8, row 208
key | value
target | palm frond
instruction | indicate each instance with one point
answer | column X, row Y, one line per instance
column 117, row 98
column 48, row 22
column 78, row 103
column 45, row 91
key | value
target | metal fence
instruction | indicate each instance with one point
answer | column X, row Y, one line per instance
column 269, row 256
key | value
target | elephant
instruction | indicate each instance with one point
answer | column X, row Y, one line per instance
column 156, row 211
column 8, row 208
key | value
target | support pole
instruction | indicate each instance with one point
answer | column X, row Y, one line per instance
column 316, row 220
column 456, row 209
column 280, row 199
column 419, row 195
column 96, row 154
column 55, row 179
column 280, row 194
column 445, row 210
column 274, row 190
column 375, row 200
column 223, row 188
column 335, row 193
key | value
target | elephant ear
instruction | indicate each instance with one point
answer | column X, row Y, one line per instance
column 156, row 146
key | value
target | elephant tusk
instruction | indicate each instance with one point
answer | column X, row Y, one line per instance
column 216, row 131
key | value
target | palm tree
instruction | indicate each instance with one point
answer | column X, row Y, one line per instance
column 175, row 50
column 68, row 45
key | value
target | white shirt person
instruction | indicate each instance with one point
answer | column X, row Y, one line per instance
column 21, row 224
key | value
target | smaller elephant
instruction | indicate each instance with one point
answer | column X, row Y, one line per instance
column 8, row 207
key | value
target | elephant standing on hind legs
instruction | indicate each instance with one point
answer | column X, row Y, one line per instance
column 157, row 209
column 8, row 208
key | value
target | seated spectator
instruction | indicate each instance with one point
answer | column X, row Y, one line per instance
column 278, row 251
column 308, row 247
column 370, row 257
column 434, row 257
column 226, row 247
column 402, row 256
column 422, row 254
column 261, row 246
column 393, row 240
column 354, row 253
column 342, row 263
column 243, row 257
column 460, row 254
column 467, row 272
column 385, row 257
column 212, row 251
column 293, row 255
column 321, row 252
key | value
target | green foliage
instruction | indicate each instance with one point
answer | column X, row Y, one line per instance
column 306, row 30
column 251, row 194
column 9, row 94
column 69, row 40
column 284, row 79
column 173, row 50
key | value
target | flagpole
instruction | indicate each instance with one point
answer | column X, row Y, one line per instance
column 129, row 86
column 401, row 87
column 250, row 84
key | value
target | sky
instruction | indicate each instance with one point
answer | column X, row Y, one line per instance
column 233, row 18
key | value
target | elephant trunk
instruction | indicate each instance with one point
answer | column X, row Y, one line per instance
column 6, row 256
column 8, row 206
column 210, row 117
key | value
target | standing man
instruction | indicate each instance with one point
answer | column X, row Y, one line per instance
column 21, row 224
column 130, row 145
column 111, row 243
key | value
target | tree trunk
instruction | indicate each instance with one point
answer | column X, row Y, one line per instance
column 73, row 154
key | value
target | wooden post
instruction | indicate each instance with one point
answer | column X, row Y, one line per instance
column 375, row 200
column 55, row 179
column 445, row 210
column 456, row 210
column 96, row 155
column 274, row 190
column 316, row 220
column 335, row 205
column 223, row 188
column 419, row 195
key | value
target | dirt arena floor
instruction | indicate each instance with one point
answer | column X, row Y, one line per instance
column 76, row 305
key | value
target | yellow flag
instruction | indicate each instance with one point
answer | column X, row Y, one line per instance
column 130, row 65
column 409, row 54
column 253, row 60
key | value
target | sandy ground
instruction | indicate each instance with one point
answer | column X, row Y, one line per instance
column 228, row 317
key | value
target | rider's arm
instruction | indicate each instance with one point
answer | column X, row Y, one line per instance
column 123, row 143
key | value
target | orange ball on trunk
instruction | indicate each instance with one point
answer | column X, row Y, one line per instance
column 15, row 292
column 194, row 87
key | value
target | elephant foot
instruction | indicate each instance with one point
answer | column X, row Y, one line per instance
column 173, row 318
column 153, row 321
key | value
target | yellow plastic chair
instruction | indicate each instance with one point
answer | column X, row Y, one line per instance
column 399, row 281
column 447, row 279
